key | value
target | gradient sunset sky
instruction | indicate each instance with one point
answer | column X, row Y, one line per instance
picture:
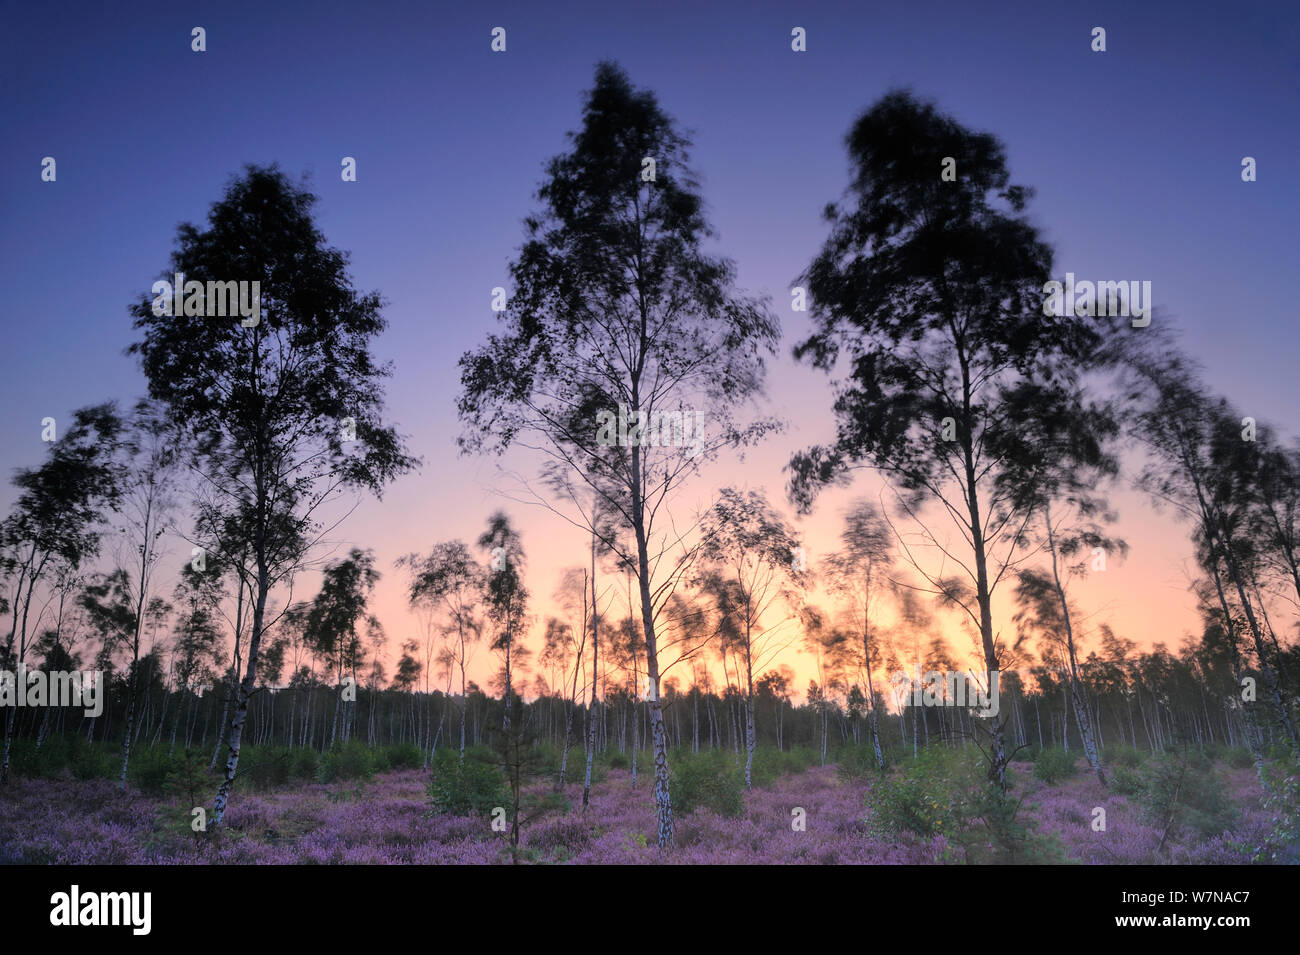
column 1135, row 154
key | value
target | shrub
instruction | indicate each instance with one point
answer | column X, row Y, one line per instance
column 546, row 758
column 771, row 764
column 1240, row 757
column 1215, row 752
column 1053, row 764
column 925, row 795
column 946, row 792
column 853, row 763
column 1184, row 792
column 578, row 769
column 709, row 780
column 995, row 833
column 1125, row 781
column 264, row 767
column 23, row 757
column 187, row 778
column 404, row 756
column 94, row 762
column 546, row 763
column 617, row 760
column 150, row 767
column 305, row 763
column 53, row 757
column 1278, row 751
column 351, row 760
column 85, row 760
column 1122, row 755
column 476, row 786
column 808, row 756
column 1281, row 843
column 1026, row 754
column 56, row 754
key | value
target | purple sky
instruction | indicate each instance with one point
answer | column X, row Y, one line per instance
column 1135, row 154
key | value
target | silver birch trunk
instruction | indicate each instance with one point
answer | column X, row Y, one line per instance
column 246, row 687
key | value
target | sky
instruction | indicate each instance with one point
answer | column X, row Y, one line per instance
column 1135, row 155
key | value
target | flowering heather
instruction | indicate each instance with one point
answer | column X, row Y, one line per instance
column 1067, row 811
column 387, row 821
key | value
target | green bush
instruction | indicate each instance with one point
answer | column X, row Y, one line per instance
column 187, row 778
column 1278, row 751
column 1125, row 781
column 1122, row 755
column 95, row 761
column 350, row 760
column 305, row 763
column 1240, row 757
column 57, row 752
column 546, row 759
column 1027, row 754
column 404, row 756
column 149, row 768
column 946, row 792
column 85, row 760
column 766, row 768
column 545, row 762
column 807, row 756
column 1184, row 792
column 1054, row 764
column 1281, row 842
column 54, row 756
column 996, row 833
column 709, row 780
column 771, row 764
column 474, row 787
column 853, row 763
column 549, row 764
column 926, row 795
column 578, row 769
column 264, row 767
column 1215, row 752
column 617, row 760
column 24, row 759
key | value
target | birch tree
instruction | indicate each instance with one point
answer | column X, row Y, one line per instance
column 506, row 597
column 757, row 571
column 1072, row 547
column 56, row 526
column 620, row 331
column 195, row 639
column 334, row 620
column 147, row 509
column 569, row 643
column 1057, row 462
column 929, row 295
column 449, row 579
column 1277, row 508
column 1201, row 467
column 860, row 572
column 283, row 405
